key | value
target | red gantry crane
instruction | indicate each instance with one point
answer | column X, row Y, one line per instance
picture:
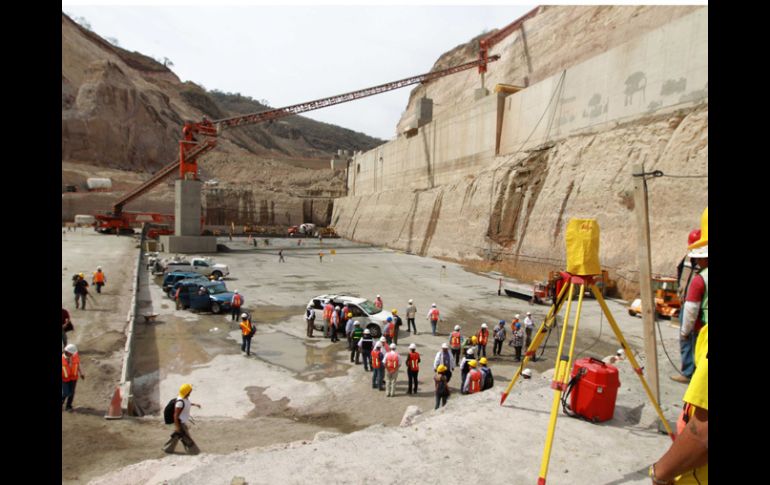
column 201, row 137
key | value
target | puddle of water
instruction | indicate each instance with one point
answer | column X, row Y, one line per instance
column 294, row 354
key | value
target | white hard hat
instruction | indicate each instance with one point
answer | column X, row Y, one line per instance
column 244, row 315
column 378, row 296
column 483, row 325
column 392, row 346
column 433, row 304
column 701, row 252
column 71, row 348
column 444, row 345
column 378, row 345
column 337, row 307
column 412, row 346
column 471, row 351
column 457, row 327
column 529, row 313
column 526, row 373
column 356, row 323
column 98, row 267
column 411, row 301
column 621, row 352
column 382, row 339
column 366, row 331
column 236, row 291
column 518, row 316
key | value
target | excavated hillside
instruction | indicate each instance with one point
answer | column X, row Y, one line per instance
column 122, row 114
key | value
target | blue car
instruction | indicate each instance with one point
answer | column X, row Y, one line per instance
column 172, row 277
column 211, row 296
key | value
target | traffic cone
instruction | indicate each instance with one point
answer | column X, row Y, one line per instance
column 115, row 411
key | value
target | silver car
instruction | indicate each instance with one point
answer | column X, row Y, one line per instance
column 362, row 309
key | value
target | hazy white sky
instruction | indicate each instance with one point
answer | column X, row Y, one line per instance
column 292, row 54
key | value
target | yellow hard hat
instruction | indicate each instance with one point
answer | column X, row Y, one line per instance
column 394, row 311
column 81, row 275
column 441, row 368
column 185, row 390
column 472, row 363
column 474, row 340
column 704, row 231
column 350, row 315
column 483, row 361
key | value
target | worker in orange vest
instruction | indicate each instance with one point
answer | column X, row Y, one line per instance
column 412, row 368
column 514, row 322
column 377, row 367
column 483, row 337
column 473, row 380
column 70, row 370
column 235, row 305
column 328, row 310
column 434, row 317
column 455, row 342
column 392, row 365
column 98, row 279
column 247, row 331
column 389, row 330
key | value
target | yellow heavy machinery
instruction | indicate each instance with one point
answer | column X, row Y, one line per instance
column 667, row 302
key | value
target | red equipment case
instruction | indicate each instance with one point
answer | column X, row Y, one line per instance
column 593, row 397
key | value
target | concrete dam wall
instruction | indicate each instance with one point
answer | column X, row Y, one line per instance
column 493, row 182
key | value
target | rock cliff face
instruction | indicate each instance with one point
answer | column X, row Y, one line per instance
column 508, row 212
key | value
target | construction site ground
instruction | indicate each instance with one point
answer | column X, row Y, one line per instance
column 275, row 403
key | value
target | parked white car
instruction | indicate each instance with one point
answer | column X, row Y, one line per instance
column 202, row 266
column 362, row 309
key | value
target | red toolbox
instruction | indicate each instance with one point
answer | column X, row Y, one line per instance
column 594, row 394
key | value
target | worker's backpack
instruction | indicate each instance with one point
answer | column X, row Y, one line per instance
column 168, row 411
column 489, row 381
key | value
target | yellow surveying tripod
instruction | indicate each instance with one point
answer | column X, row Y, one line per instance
column 564, row 361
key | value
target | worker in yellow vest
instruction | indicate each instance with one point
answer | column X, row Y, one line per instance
column 98, row 279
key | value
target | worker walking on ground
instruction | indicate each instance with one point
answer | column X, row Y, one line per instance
column 280, row 256
column 397, row 322
column 412, row 368
column 514, row 322
column 349, row 334
column 365, row 347
column 384, row 344
column 442, row 386
column 181, row 417
column 443, row 357
column 70, row 371
column 392, row 365
column 321, row 256
column 529, row 326
column 455, row 343
column 434, row 317
column 411, row 312
column 472, row 383
column 248, row 330
column 499, row 337
column 310, row 318
column 483, row 338
column 81, row 291
column 378, row 367
column 356, row 335
column 98, row 279
column 518, row 340
column 487, row 380
column 235, row 306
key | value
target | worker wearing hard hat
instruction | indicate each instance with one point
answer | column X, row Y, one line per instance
column 392, row 365
column 70, row 371
column 247, row 332
column 465, row 364
column 686, row 461
column 235, row 305
column 694, row 314
column 81, row 291
column 455, row 343
column 411, row 312
column 181, row 417
column 443, row 357
column 412, row 368
column 482, row 338
column 487, row 379
column 434, row 316
column 472, row 383
column 98, row 279
column 397, row 322
column 442, row 386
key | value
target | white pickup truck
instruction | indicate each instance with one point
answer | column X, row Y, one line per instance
column 203, row 266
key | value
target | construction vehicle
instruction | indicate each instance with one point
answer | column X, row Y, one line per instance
column 201, row 137
column 125, row 223
column 667, row 302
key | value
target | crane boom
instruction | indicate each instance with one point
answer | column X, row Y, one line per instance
column 190, row 148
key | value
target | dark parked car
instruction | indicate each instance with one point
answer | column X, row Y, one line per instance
column 170, row 278
column 213, row 297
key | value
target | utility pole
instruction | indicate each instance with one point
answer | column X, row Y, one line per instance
column 645, row 278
